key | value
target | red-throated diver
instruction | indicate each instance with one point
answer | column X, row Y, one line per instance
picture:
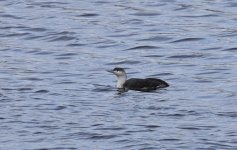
column 145, row 85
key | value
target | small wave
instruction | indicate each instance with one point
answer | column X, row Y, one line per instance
column 88, row 15
column 124, row 62
column 15, row 34
column 36, row 29
column 32, row 79
column 200, row 16
column 155, row 56
column 62, row 38
column 142, row 47
column 228, row 114
column 156, row 38
column 187, row 56
column 67, row 54
column 60, row 108
column 188, row 40
column 231, row 49
column 102, row 137
column 146, row 14
column 42, row 91
column 25, row 89
column 103, row 88
column 10, row 16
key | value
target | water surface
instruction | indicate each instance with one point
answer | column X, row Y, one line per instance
column 55, row 92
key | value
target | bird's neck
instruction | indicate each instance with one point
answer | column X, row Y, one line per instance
column 121, row 81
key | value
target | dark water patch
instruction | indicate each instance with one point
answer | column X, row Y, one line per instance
column 219, row 145
column 15, row 34
column 102, row 137
column 232, row 4
column 75, row 45
column 63, row 57
column 8, row 89
column 67, row 54
column 208, row 72
column 62, row 38
column 220, row 69
column 53, row 148
column 108, row 46
column 44, row 53
column 169, row 139
column 39, row 52
column 32, row 37
column 35, row 29
column 103, row 88
column 172, row 114
column 231, row 49
column 156, row 38
column 153, row 56
column 203, row 80
column 136, row 22
column 200, row 16
column 138, row 131
column 13, row 27
column 151, row 126
column 142, row 47
column 46, row 4
column 65, row 82
column 60, row 108
column 124, row 62
column 10, row 16
column 42, row 91
column 24, row 89
column 110, row 128
column 53, row 2
column 188, row 40
column 102, row 2
column 159, row 108
column 189, row 128
column 161, row 74
column 228, row 114
column 32, row 79
column 61, row 33
column 212, row 48
column 88, row 15
column 197, row 127
column 183, row 7
column 122, row 35
column 186, row 56
column 146, row 14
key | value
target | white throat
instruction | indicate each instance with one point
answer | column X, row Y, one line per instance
column 121, row 81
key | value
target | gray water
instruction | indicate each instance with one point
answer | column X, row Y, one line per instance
column 55, row 92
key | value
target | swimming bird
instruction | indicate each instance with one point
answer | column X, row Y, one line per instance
column 145, row 85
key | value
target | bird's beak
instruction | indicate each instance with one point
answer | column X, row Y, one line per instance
column 111, row 71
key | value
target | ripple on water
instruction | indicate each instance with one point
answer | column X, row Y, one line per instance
column 88, row 15
column 41, row 91
column 142, row 47
column 156, row 38
column 187, row 56
column 234, row 49
column 188, row 40
column 228, row 114
column 124, row 62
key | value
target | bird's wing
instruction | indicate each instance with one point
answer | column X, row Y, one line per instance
column 157, row 82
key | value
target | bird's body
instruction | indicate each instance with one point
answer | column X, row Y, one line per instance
column 146, row 85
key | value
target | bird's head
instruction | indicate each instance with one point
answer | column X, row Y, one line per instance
column 119, row 72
